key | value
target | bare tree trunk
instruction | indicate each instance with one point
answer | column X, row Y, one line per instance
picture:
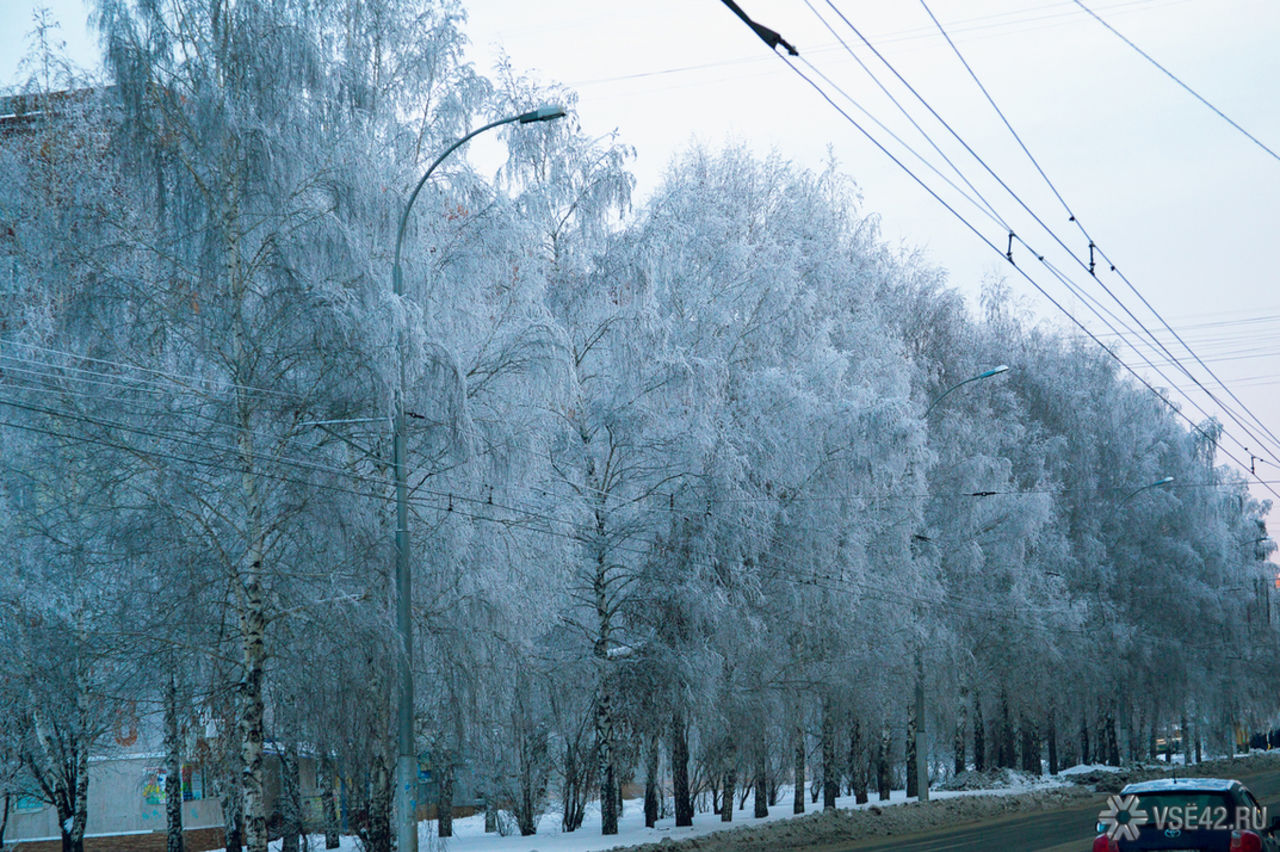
column 873, row 766
column 913, row 778
column 173, row 765
column 67, row 778
column 830, row 773
column 232, row 817
column 64, row 822
column 1185, row 734
column 1113, row 747
column 251, row 599
column 882, row 765
column 730, row 780
column 253, row 628
column 604, row 707
column 380, row 798
column 329, row 807
column 605, row 763
column 979, row 736
column 1135, row 734
column 1030, row 746
column 652, row 783
column 290, row 803
column 228, row 779
column 958, row 740
column 797, row 746
column 80, row 782
column 579, row 776
column 1084, row 741
column 532, row 783
column 680, row 771
column 1053, row 741
column 1007, row 754
column 761, row 782
column 444, row 799
column 857, row 763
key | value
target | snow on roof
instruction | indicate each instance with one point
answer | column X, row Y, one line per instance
column 1165, row 785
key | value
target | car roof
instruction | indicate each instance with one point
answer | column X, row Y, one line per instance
column 1166, row 785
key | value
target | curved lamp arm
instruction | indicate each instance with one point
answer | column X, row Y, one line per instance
column 1162, row 481
column 545, row 113
column 994, row 371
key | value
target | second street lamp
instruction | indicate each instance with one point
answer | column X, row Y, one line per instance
column 1164, row 480
column 406, row 756
column 994, row 371
column 922, row 763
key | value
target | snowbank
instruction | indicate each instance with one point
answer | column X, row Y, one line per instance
column 1008, row 792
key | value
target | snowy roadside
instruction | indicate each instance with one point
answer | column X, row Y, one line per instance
column 1011, row 792
column 786, row 829
column 469, row 834
column 632, row 833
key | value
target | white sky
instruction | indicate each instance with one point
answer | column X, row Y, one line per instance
column 1183, row 203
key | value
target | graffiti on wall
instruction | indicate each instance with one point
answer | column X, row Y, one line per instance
column 153, row 784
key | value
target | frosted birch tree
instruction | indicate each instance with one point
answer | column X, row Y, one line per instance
column 257, row 125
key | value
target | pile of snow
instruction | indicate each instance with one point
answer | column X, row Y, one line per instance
column 1086, row 768
column 998, row 779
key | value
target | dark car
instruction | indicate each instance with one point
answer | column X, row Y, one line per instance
column 1186, row 815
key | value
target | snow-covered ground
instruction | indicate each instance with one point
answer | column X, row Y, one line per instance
column 470, row 836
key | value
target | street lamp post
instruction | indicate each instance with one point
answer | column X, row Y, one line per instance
column 406, row 758
column 922, row 763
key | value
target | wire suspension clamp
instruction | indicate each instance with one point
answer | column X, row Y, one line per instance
column 768, row 36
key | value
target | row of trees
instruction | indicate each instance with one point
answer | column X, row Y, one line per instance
column 686, row 512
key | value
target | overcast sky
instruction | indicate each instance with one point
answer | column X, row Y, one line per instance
column 1183, row 203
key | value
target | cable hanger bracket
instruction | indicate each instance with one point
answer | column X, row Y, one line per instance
column 768, row 36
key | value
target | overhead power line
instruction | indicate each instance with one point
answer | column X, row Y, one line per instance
column 1072, row 217
column 1047, row 16
column 1095, row 306
column 539, row 523
column 1175, row 78
column 978, row 233
column 1064, row 279
column 1053, row 234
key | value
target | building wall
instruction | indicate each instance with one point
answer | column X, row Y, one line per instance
column 124, row 796
column 198, row 840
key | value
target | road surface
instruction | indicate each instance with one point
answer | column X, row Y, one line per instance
column 1068, row 830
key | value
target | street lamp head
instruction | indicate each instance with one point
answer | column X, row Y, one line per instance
column 994, row 371
column 542, row 113
column 1164, row 481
